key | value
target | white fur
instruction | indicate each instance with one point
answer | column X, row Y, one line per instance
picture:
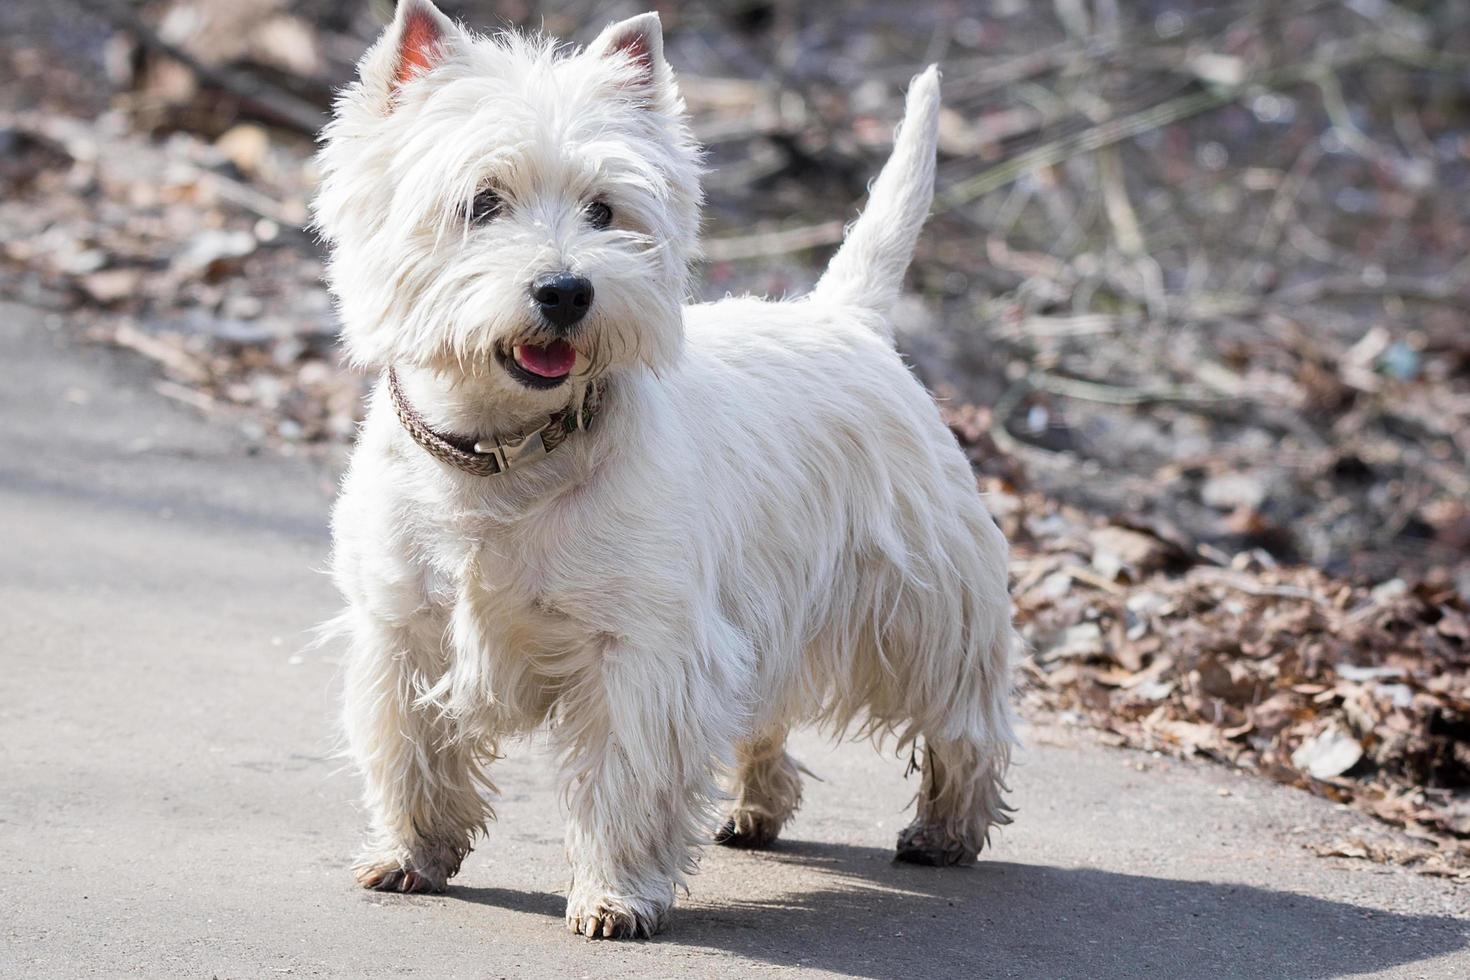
column 768, row 525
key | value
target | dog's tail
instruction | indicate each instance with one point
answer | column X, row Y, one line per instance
column 868, row 269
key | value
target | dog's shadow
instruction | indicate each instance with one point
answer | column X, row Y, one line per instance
column 869, row 917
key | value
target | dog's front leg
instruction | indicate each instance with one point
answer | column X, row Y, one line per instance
column 640, row 738
column 421, row 783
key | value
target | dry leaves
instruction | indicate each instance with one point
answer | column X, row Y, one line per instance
column 1360, row 695
column 166, row 249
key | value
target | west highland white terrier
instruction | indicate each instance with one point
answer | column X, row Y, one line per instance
column 666, row 533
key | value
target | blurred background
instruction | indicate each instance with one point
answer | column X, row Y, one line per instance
column 1195, row 298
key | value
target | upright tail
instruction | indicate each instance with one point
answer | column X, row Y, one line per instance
column 868, row 269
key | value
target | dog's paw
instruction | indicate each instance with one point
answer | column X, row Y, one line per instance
column 612, row 918
column 747, row 829
column 929, row 845
column 391, row 876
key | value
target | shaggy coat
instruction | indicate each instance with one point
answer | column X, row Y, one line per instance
column 768, row 525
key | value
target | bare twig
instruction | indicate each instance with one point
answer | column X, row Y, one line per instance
column 265, row 101
column 173, row 358
column 769, row 243
column 1095, row 391
column 1088, row 140
column 1283, row 205
column 1176, row 110
column 1253, row 587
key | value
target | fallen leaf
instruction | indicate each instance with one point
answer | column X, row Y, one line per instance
column 1330, row 753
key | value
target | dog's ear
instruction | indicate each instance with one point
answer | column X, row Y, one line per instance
column 641, row 40
column 419, row 38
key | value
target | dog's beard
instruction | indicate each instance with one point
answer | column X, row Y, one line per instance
column 426, row 280
column 454, row 307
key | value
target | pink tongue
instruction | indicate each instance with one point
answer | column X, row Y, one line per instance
column 555, row 360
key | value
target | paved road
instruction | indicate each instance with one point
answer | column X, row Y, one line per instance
column 170, row 804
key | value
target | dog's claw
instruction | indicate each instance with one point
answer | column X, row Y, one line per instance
column 394, row 878
column 918, row 844
column 748, row 832
column 609, row 924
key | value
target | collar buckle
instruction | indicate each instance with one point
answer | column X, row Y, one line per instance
column 514, row 452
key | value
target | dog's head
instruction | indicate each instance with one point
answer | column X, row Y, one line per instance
column 503, row 208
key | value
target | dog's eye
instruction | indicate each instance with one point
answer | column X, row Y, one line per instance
column 486, row 206
column 599, row 215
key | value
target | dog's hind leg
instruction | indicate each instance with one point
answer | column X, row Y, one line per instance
column 421, row 784
column 767, row 791
column 960, row 799
column 956, row 696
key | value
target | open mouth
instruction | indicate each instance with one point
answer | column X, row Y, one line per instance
column 540, row 365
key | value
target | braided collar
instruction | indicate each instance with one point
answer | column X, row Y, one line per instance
column 489, row 458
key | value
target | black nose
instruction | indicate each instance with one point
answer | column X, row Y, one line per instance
column 562, row 298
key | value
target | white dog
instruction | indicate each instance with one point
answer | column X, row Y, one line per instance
column 666, row 532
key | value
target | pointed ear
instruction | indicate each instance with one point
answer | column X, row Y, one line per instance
column 641, row 40
column 419, row 38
